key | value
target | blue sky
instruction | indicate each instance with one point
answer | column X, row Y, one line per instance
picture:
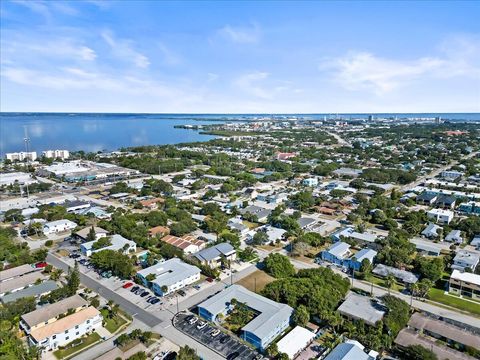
column 240, row 57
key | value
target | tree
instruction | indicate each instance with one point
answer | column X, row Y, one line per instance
column 418, row 352
column 231, row 238
column 150, row 277
column 56, row 274
column 95, row 302
column 73, row 280
column 272, row 350
column 366, row 268
column 424, row 286
column 301, row 316
column 187, row 353
column 389, row 282
column 260, row 238
column 279, row 266
column 91, row 236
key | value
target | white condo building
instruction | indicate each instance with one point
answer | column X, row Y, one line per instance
column 66, row 329
column 56, row 154
column 21, row 156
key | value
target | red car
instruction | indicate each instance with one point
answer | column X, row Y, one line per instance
column 41, row 265
column 127, row 285
column 209, row 279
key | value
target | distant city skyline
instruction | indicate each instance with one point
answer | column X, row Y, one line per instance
column 240, row 57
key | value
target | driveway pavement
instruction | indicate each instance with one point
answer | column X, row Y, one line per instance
column 224, row 344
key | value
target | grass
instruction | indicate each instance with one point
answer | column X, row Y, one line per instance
column 69, row 350
column 250, row 225
column 439, row 296
column 112, row 324
column 262, row 279
column 381, row 282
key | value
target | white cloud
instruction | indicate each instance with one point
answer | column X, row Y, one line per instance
column 241, row 35
column 458, row 56
column 251, row 83
column 47, row 8
column 123, row 49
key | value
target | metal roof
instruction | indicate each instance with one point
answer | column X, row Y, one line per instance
column 347, row 351
column 170, row 272
column 361, row 308
column 214, row 252
column 34, row 290
column 271, row 313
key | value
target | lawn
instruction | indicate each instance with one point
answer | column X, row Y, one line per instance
column 438, row 295
column 381, row 282
column 71, row 348
column 114, row 323
column 256, row 281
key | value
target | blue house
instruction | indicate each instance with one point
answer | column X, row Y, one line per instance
column 355, row 262
column 337, row 253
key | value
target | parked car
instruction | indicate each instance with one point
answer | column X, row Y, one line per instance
column 127, row 285
column 40, row 265
column 224, row 339
column 145, row 293
column 215, row 333
column 233, row 355
column 196, row 287
column 182, row 293
column 155, row 301
column 135, row 288
column 209, row 279
column 193, row 320
column 201, row 325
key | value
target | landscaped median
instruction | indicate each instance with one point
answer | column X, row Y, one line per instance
column 76, row 346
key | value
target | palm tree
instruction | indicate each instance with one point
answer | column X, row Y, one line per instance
column 389, row 282
column 56, row 274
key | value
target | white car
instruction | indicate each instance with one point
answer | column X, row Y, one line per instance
column 193, row 320
column 201, row 325
column 215, row 333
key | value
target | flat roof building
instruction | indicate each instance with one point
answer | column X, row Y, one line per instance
column 118, row 242
column 295, row 341
column 16, row 271
column 20, row 282
column 169, row 276
column 465, row 284
column 358, row 307
column 271, row 320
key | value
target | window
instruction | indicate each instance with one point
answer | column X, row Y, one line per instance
column 88, row 321
column 77, row 333
column 76, row 326
column 66, row 331
column 54, row 337
column 67, row 338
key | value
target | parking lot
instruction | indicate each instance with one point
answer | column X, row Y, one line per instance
column 224, row 344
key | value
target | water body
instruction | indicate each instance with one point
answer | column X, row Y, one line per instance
column 108, row 132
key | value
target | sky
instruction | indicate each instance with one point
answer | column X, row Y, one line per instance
column 240, row 57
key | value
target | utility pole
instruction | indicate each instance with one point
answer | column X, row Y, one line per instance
column 176, row 297
column 26, row 139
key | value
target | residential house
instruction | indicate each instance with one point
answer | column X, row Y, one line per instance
column 454, row 236
column 260, row 212
column 16, row 272
column 273, row 234
column 476, row 242
column 445, row 201
column 403, row 276
column 431, row 231
column 295, row 341
column 159, row 231
column 440, row 216
column 236, row 224
column 215, row 255
column 76, row 205
column 30, row 291
column 469, row 208
column 20, row 282
column 311, row 182
column 350, row 350
column 465, row 259
column 359, row 307
column 188, row 244
column 83, row 234
column 117, row 243
column 152, row 203
column 57, row 226
column 426, row 198
column 169, row 276
column 451, row 174
column 355, row 262
column 337, row 253
column 306, row 223
column 360, row 238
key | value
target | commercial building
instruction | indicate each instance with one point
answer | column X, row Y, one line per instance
column 56, row 154
column 440, row 216
column 66, row 329
column 426, row 198
column 169, row 276
column 359, row 307
column 21, row 156
column 214, row 256
column 117, row 242
column 51, row 313
column 295, row 341
column 58, row 226
column 271, row 318
column 464, row 284
column 465, row 259
column 19, row 178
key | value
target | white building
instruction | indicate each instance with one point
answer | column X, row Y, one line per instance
column 117, row 242
column 58, row 226
column 20, row 178
column 56, row 154
column 170, row 275
column 451, row 174
column 21, row 156
column 310, row 182
column 66, row 329
column 440, row 215
column 295, row 341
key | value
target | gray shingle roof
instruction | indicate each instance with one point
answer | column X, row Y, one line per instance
column 34, row 290
column 211, row 253
column 346, row 351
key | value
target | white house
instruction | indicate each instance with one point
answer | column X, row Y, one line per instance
column 58, row 226
column 169, row 276
column 440, row 215
column 465, row 259
column 117, row 242
column 310, row 182
column 66, row 329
